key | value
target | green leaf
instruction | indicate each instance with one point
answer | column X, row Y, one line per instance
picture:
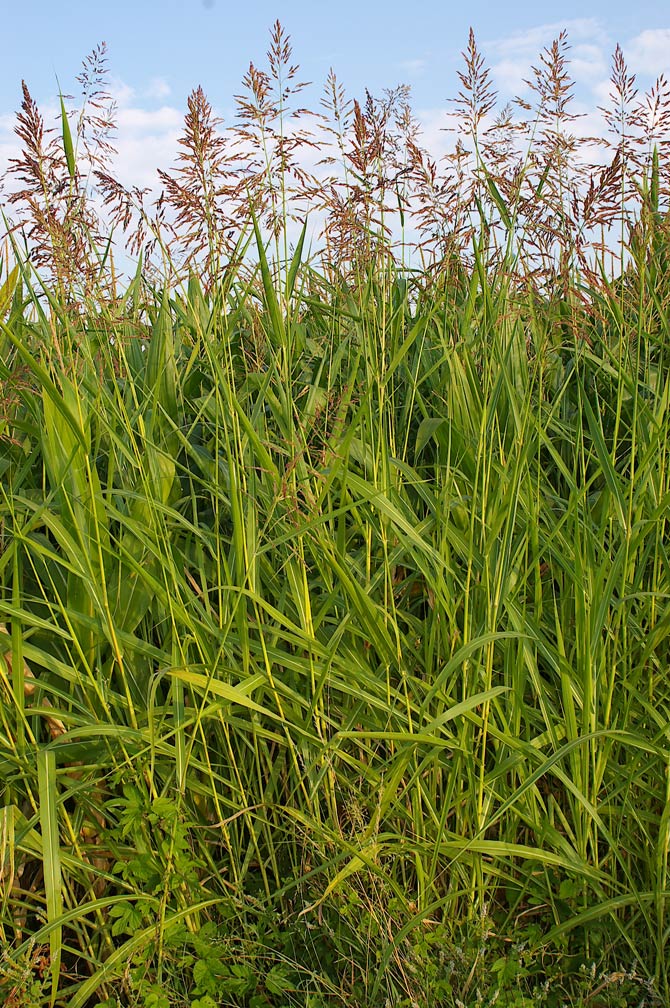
column 231, row 694
column 48, row 794
column 295, row 263
column 499, row 202
column 68, row 147
column 278, row 334
column 427, row 431
column 7, row 290
column 277, row 981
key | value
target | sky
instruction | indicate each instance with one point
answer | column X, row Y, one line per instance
column 159, row 50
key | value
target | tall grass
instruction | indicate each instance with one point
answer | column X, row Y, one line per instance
column 335, row 595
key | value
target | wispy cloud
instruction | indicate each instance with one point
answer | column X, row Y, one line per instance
column 588, row 63
column 149, row 123
column 590, row 47
column 146, row 140
column 436, row 131
column 649, row 52
column 158, row 88
column 510, row 76
column 122, row 93
column 135, row 119
column 413, row 67
column 514, row 55
column 531, row 42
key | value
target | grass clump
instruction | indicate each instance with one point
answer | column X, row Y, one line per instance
column 334, row 592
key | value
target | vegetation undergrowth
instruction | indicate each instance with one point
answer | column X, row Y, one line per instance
column 335, row 591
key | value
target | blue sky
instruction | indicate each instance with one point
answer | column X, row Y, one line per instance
column 210, row 42
column 160, row 49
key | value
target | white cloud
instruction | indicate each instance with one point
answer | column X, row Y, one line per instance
column 649, row 52
column 145, row 139
column 413, row 67
column 437, row 135
column 147, row 136
column 532, row 41
column 516, row 54
column 145, row 121
column 602, row 90
column 158, row 88
column 127, row 96
column 647, row 56
column 138, row 156
column 588, row 63
column 8, row 150
column 510, row 76
column 122, row 93
column 589, row 53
